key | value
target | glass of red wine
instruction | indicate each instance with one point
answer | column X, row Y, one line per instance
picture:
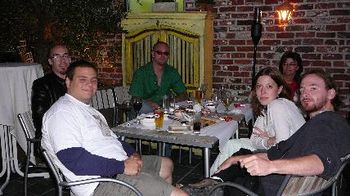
column 136, row 104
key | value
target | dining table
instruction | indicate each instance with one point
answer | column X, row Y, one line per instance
column 16, row 80
column 208, row 137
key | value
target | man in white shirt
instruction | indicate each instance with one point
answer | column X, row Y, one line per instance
column 78, row 138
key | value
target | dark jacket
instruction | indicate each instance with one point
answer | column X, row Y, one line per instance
column 45, row 91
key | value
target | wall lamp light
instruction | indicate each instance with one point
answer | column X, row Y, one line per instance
column 284, row 12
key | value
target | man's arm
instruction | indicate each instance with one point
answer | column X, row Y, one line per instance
column 258, row 165
column 40, row 104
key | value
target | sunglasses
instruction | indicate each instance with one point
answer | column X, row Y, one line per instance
column 161, row 53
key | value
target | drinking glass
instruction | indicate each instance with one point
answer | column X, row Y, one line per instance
column 136, row 104
column 159, row 118
column 226, row 100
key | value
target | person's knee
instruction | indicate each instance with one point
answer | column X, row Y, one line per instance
column 167, row 163
column 178, row 192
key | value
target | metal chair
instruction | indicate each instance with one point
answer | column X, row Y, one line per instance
column 105, row 101
column 299, row 185
column 61, row 182
column 26, row 122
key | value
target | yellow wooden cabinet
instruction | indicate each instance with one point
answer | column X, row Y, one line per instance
column 190, row 38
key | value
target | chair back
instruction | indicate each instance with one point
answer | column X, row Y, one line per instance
column 122, row 92
column 105, row 101
column 311, row 185
column 55, row 171
column 61, row 182
column 26, row 122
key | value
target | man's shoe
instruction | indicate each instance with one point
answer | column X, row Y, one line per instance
column 208, row 182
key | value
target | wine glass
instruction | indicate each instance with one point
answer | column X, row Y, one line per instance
column 226, row 100
column 136, row 104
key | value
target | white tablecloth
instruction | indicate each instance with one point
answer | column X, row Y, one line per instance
column 221, row 130
column 15, row 88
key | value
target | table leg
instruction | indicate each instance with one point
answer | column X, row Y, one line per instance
column 5, row 157
column 206, row 162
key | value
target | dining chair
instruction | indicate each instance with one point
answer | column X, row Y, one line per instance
column 62, row 183
column 105, row 101
column 299, row 185
column 26, row 122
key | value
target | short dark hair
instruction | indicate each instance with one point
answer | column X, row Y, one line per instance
column 81, row 63
column 296, row 57
column 277, row 77
column 329, row 82
column 159, row 43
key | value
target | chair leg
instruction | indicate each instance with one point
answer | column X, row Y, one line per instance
column 27, row 169
column 189, row 155
column 180, row 155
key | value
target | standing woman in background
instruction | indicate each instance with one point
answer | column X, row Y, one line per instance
column 291, row 67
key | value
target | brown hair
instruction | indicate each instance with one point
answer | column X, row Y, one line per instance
column 277, row 77
column 329, row 82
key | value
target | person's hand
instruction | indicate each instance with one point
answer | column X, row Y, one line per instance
column 257, row 164
column 271, row 141
column 153, row 105
column 230, row 161
column 260, row 133
column 132, row 166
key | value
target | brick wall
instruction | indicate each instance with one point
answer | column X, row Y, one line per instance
column 319, row 31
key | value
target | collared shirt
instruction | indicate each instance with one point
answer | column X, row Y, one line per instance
column 145, row 83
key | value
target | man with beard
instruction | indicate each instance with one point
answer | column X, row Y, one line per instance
column 156, row 79
column 314, row 150
column 47, row 89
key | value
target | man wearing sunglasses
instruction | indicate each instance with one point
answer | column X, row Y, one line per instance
column 156, row 79
column 47, row 89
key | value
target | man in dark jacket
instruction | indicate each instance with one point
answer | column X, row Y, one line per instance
column 46, row 90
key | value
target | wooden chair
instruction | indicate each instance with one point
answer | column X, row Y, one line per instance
column 299, row 185
column 26, row 122
column 62, row 183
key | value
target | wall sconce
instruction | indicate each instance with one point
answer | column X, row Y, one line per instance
column 284, row 12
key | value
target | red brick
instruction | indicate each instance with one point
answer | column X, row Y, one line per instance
column 295, row 28
column 238, row 55
column 238, row 2
column 304, row 49
column 304, row 6
column 285, row 35
column 325, row 35
column 305, row 34
column 339, row 12
column 332, row 56
column 227, row 9
column 344, row 49
column 245, row 48
column 331, row 42
column 292, row 42
column 240, row 15
column 225, row 61
column 341, row 27
column 224, row 73
column 313, row 41
column 343, row 20
column 243, row 62
column 241, row 74
column 245, row 9
column 271, row 1
column 318, row 63
column 237, row 42
column 271, row 42
column 311, row 56
column 326, row 49
column 344, row 35
column 342, row 77
column 324, row 5
column 339, row 64
column 302, row 20
column 227, row 48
